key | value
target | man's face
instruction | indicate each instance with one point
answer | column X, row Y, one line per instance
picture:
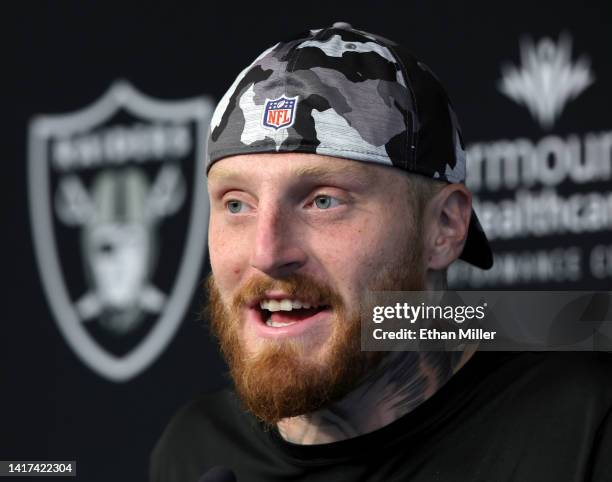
column 294, row 230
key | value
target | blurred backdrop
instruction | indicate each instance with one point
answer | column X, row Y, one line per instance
column 105, row 212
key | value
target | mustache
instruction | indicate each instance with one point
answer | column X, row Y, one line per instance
column 279, row 380
column 300, row 286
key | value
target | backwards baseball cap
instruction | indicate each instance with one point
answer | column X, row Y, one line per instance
column 346, row 93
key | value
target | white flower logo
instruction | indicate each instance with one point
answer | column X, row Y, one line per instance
column 547, row 78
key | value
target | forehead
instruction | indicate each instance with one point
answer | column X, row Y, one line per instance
column 297, row 165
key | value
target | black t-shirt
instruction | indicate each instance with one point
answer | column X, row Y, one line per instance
column 529, row 417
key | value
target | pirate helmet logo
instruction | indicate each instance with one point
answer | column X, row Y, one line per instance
column 110, row 196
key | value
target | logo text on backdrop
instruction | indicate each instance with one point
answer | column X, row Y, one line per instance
column 546, row 194
column 119, row 211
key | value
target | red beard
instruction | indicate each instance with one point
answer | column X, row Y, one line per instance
column 281, row 378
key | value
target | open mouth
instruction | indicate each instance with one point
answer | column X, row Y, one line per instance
column 278, row 313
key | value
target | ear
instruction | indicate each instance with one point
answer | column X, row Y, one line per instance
column 446, row 223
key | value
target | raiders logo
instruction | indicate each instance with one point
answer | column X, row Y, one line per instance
column 119, row 215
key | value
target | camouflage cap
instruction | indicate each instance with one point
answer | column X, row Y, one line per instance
column 346, row 93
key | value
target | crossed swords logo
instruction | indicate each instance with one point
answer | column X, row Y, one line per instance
column 118, row 218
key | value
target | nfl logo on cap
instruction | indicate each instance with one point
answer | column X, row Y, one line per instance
column 279, row 113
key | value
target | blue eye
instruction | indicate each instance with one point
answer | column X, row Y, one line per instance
column 234, row 206
column 325, row 202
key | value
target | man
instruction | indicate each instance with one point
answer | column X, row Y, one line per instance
column 335, row 168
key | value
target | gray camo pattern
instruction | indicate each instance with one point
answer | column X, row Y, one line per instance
column 336, row 115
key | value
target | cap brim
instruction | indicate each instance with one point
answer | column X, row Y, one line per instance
column 477, row 250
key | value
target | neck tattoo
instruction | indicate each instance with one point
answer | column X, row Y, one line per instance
column 402, row 382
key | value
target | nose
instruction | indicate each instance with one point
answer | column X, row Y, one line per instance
column 277, row 250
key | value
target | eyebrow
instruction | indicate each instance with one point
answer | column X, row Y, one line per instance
column 221, row 174
column 355, row 173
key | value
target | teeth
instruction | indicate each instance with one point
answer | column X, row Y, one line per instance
column 284, row 305
column 276, row 324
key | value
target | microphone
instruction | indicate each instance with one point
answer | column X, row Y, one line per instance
column 218, row 474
